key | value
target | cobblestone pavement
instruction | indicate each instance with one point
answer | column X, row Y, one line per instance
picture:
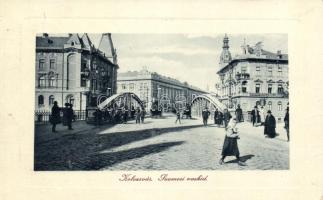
column 159, row 144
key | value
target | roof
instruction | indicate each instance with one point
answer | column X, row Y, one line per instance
column 266, row 56
column 51, row 42
column 145, row 74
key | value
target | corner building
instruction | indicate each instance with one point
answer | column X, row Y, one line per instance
column 255, row 77
column 71, row 70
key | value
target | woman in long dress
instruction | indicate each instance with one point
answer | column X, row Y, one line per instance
column 230, row 145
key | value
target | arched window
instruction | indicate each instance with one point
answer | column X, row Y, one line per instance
column 70, row 99
column 42, row 81
column 269, row 105
column 51, row 100
column 40, row 100
column 279, row 105
column 52, row 81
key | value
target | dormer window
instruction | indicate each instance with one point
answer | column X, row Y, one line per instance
column 72, row 43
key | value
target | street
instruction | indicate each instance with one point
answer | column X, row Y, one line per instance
column 158, row 144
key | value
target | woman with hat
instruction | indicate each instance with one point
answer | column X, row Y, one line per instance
column 230, row 145
column 270, row 125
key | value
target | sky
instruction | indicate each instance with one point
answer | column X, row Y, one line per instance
column 186, row 57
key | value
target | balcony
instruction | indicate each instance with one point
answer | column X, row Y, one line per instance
column 242, row 76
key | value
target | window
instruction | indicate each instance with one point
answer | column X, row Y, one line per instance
column 70, row 99
column 51, row 100
column 83, row 66
column 270, row 70
column 52, row 81
column 243, row 69
column 40, row 100
column 41, row 64
column 258, row 70
column 280, row 89
column 42, row 81
column 270, row 87
column 257, row 88
column 269, row 105
column 279, row 105
column 52, row 64
column 280, row 70
column 244, row 87
column 83, row 80
column 131, row 86
column 123, row 86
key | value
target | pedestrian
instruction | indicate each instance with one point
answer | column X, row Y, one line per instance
column 220, row 119
column 70, row 116
column 132, row 112
column 262, row 116
column 216, row 112
column 255, row 116
column 230, row 144
column 286, row 120
column 137, row 115
column 270, row 125
column 142, row 115
column 205, row 115
column 239, row 114
column 55, row 117
column 226, row 117
column 65, row 114
column 125, row 115
column 178, row 116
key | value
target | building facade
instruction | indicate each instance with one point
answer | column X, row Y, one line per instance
column 71, row 70
column 157, row 90
column 255, row 77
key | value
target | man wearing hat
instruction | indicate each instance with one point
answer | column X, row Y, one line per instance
column 270, row 125
column 255, row 116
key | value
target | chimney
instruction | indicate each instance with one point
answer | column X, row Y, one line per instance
column 70, row 35
column 45, row 35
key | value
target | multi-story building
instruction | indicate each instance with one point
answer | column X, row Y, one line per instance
column 255, row 77
column 71, row 70
column 154, row 89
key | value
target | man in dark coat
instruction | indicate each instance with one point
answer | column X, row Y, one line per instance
column 216, row 112
column 205, row 115
column 286, row 120
column 239, row 114
column 226, row 117
column 270, row 125
column 70, row 116
column 255, row 116
column 55, row 116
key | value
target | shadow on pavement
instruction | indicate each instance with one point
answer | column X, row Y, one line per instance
column 242, row 158
column 54, row 154
column 102, row 160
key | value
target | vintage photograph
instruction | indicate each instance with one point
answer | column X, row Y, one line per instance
column 118, row 102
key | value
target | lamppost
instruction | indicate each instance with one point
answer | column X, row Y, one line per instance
column 230, row 85
column 158, row 97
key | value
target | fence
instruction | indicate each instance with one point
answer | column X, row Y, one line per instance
column 42, row 116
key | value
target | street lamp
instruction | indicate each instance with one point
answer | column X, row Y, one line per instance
column 158, row 97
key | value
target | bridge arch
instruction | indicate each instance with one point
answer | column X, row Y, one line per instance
column 209, row 100
column 122, row 100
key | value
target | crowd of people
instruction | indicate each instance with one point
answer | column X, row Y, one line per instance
column 116, row 115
